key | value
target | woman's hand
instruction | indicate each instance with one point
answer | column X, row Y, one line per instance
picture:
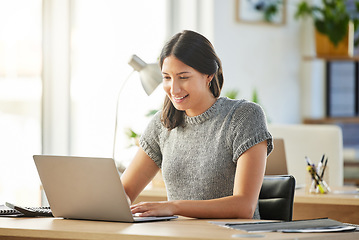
column 150, row 209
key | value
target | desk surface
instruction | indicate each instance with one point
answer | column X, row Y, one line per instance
column 339, row 206
column 339, row 196
column 182, row 228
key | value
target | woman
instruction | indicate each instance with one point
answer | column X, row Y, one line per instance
column 212, row 150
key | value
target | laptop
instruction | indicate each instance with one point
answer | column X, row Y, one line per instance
column 277, row 161
column 86, row 188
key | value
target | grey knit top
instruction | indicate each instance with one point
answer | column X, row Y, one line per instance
column 198, row 160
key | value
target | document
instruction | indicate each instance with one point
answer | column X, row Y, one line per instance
column 312, row 225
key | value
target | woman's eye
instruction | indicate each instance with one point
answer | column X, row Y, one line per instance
column 183, row 77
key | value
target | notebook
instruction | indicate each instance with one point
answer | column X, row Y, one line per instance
column 85, row 188
column 276, row 161
column 320, row 225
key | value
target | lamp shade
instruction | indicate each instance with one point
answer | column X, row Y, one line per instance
column 150, row 74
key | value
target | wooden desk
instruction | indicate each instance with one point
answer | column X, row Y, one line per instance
column 341, row 207
column 188, row 229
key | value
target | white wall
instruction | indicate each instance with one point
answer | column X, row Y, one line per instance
column 262, row 57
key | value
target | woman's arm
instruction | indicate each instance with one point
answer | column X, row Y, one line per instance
column 138, row 174
column 247, row 185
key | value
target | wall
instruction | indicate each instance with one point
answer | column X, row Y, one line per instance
column 262, row 57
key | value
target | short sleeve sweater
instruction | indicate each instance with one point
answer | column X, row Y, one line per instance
column 198, row 160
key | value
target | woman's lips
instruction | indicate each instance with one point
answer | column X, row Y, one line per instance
column 179, row 99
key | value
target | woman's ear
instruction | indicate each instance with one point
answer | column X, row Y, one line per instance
column 209, row 78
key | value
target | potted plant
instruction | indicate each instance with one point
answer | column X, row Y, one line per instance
column 335, row 22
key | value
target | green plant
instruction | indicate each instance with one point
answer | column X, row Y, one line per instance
column 151, row 112
column 255, row 98
column 269, row 8
column 232, row 94
column 132, row 135
column 331, row 18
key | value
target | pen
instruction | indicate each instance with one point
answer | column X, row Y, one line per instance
column 321, row 182
column 319, row 169
column 312, row 171
column 313, row 186
column 308, row 161
column 322, row 175
column 320, row 164
column 324, row 167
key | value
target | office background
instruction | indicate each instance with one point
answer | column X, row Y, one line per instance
column 62, row 62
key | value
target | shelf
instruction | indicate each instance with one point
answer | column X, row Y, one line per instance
column 351, row 181
column 332, row 58
column 351, row 164
column 331, row 120
column 329, row 61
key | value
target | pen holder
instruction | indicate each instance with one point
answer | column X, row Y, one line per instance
column 317, row 185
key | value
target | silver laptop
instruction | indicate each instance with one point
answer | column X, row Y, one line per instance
column 85, row 188
column 277, row 161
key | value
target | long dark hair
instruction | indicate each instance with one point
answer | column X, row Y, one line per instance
column 196, row 51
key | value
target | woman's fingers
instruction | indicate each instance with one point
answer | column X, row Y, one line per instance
column 145, row 209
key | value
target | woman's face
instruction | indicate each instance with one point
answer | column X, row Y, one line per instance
column 186, row 87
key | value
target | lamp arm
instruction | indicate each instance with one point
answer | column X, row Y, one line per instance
column 116, row 117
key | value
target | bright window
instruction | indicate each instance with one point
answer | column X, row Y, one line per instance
column 104, row 36
column 20, row 100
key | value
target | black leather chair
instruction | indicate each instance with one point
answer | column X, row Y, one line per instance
column 276, row 198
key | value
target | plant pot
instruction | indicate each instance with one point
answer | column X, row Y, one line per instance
column 325, row 48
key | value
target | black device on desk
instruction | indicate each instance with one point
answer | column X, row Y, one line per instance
column 30, row 211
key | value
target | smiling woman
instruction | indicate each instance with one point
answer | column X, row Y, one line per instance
column 186, row 87
column 211, row 150
column 200, row 77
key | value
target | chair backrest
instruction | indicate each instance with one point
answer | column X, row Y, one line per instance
column 277, row 160
column 312, row 140
column 276, row 198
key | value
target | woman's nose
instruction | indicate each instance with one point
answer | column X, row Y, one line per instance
column 175, row 88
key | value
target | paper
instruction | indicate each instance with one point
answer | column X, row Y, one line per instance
column 321, row 230
column 313, row 225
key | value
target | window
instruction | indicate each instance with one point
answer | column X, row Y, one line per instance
column 20, row 99
column 104, row 36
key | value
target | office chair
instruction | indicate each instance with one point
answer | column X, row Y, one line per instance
column 276, row 198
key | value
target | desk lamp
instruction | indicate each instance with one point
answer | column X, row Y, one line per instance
column 151, row 77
